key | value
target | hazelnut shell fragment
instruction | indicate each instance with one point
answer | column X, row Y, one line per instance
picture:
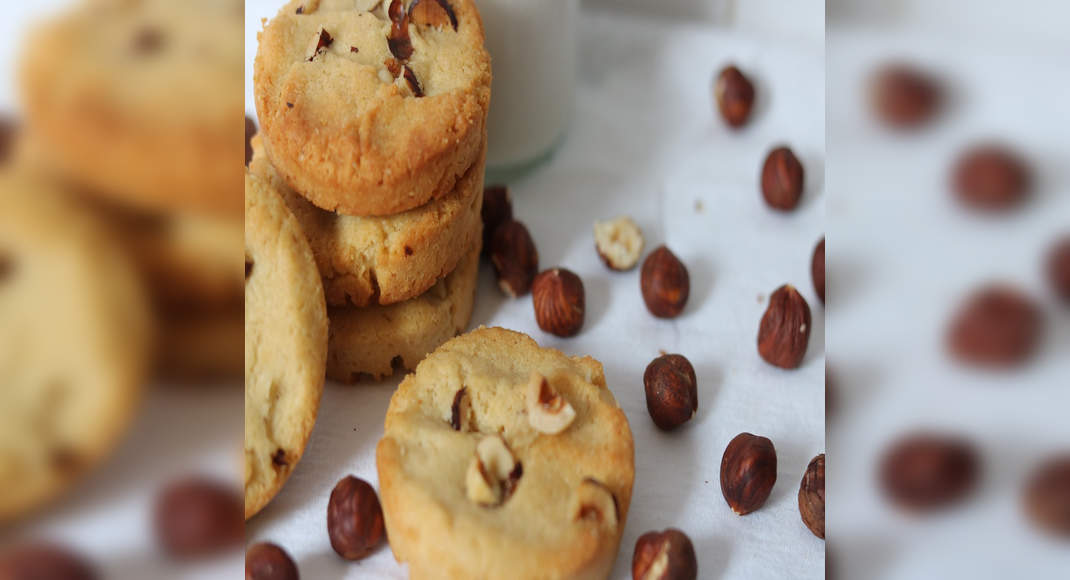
column 784, row 332
column 559, row 301
column 665, row 283
column 748, row 472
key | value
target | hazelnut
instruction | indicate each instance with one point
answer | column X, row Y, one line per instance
column 267, row 561
column 548, row 411
column 735, row 96
column 198, row 517
column 398, row 40
column 594, row 502
column 812, row 496
column 666, row 555
column 926, row 471
column 434, row 13
column 410, row 81
column 817, row 270
column 998, row 326
column 43, row 561
column 559, row 301
column 497, row 210
column 354, row 518
column 903, row 97
column 782, row 179
column 1059, row 269
column 748, row 472
column 671, row 391
column 493, row 473
column 619, row 243
column 990, row 177
column 1047, row 496
column 319, row 44
column 665, row 283
column 461, row 415
column 784, row 332
column 514, row 257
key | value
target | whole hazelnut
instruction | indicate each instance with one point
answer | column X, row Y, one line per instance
column 671, row 391
column 267, row 561
column 904, row 97
column 43, row 561
column 990, row 177
column 619, row 243
column 497, row 209
column 1047, row 496
column 354, row 518
column 735, row 96
column 665, row 283
column 998, row 326
column 817, row 270
column 926, row 471
column 782, row 179
column 784, row 332
column 198, row 517
column 1059, row 269
column 514, row 257
column 665, row 555
column 748, row 472
column 812, row 496
column 558, row 297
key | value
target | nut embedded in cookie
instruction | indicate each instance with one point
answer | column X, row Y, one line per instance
column 493, row 473
column 548, row 411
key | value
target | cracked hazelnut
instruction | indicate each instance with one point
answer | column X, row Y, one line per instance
column 434, row 13
column 461, row 414
column 665, row 283
column 514, row 257
column 998, row 326
column 748, row 472
column 493, row 473
column 410, row 81
column 497, row 210
column 666, row 555
column 782, row 179
column 320, row 43
column 927, row 471
column 548, row 411
column 44, row 561
column 990, row 177
column 671, row 391
column 398, row 40
column 817, row 270
column 619, row 243
column 198, row 517
column 735, row 96
column 1059, row 268
column 267, row 561
column 1047, row 496
column 903, row 97
column 784, row 332
column 812, row 496
column 558, row 298
column 594, row 502
column 354, row 518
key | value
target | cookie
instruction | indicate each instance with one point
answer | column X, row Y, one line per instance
column 285, row 343
column 74, row 343
column 373, row 107
column 201, row 345
column 388, row 259
column 501, row 459
column 142, row 101
column 374, row 341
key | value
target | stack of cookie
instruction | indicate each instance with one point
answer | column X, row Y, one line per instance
column 372, row 130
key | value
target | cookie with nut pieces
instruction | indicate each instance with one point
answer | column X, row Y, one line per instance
column 373, row 107
column 502, row 459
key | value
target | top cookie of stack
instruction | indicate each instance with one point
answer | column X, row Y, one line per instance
column 373, row 107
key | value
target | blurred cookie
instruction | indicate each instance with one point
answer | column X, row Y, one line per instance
column 373, row 341
column 142, row 101
column 373, row 107
column 388, row 259
column 501, row 459
column 74, row 343
column 285, row 343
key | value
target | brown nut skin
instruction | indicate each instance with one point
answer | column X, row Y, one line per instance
column 922, row 472
column 812, row 496
column 43, row 561
column 998, row 326
column 198, row 517
column 1058, row 269
column 1047, row 496
column 250, row 132
column 514, row 257
column 784, row 332
column 990, row 178
column 354, row 518
column 904, row 97
column 817, row 269
column 748, row 472
column 782, row 179
column 560, row 304
column 665, row 555
column 267, row 561
column 671, row 391
column 497, row 209
column 665, row 283
column 735, row 96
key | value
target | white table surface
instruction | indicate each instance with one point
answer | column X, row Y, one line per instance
column 645, row 142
